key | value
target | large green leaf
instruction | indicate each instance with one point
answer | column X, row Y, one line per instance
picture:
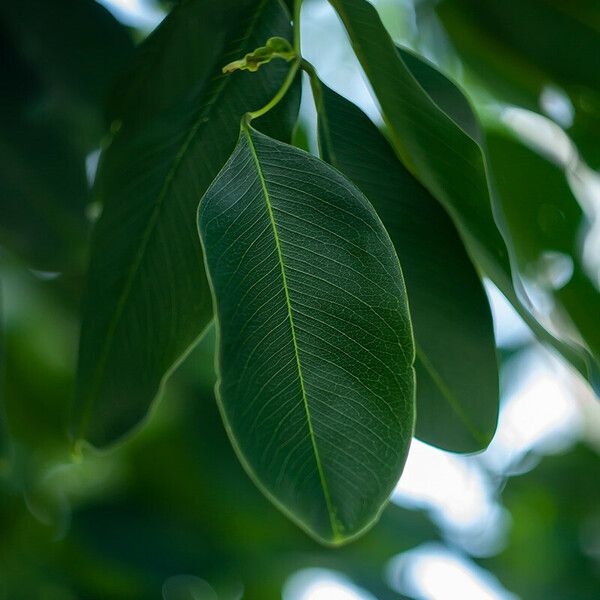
column 315, row 343
column 447, row 160
column 447, row 96
column 457, row 375
column 147, row 299
column 442, row 155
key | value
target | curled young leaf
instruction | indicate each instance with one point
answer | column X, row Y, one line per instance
column 276, row 47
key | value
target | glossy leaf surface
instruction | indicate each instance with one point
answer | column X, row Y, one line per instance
column 457, row 374
column 447, row 160
column 147, row 298
column 315, row 351
column 441, row 154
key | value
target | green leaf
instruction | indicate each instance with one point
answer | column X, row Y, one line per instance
column 549, row 232
column 448, row 162
column 441, row 154
column 276, row 47
column 457, row 374
column 147, row 299
column 316, row 383
column 447, row 96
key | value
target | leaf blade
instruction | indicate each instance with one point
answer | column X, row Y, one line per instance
column 282, row 295
column 450, row 164
column 457, row 402
column 147, row 300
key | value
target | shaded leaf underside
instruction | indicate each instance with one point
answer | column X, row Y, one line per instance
column 457, row 376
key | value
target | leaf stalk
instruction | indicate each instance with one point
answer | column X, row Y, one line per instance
column 248, row 117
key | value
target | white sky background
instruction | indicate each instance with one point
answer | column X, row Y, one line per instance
column 141, row 14
column 540, row 410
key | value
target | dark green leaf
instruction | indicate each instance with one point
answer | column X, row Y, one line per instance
column 447, row 160
column 315, row 351
column 448, row 97
column 147, row 299
column 457, row 378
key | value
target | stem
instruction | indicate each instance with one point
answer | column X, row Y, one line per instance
column 249, row 116
column 297, row 7
column 324, row 142
column 315, row 84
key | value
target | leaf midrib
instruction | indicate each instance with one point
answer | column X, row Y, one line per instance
column 324, row 485
column 203, row 117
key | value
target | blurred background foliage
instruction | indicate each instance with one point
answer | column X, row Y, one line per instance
column 170, row 512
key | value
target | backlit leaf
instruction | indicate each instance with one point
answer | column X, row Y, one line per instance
column 315, row 343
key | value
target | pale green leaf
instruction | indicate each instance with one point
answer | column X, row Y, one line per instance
column 275, row 47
